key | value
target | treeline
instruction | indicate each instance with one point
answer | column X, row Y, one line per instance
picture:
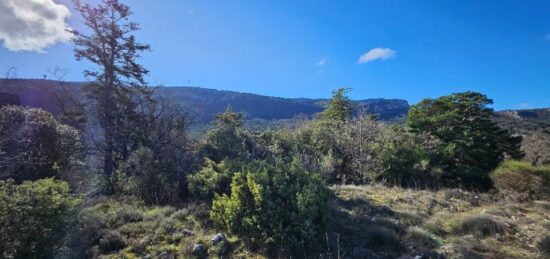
column 269, row 187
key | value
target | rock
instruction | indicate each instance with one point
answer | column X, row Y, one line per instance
column 218, row 238
column 163, row 255
column 199, row 250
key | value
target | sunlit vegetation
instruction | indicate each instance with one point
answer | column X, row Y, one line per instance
column 126, row 179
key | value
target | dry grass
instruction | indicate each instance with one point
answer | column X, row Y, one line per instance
column 367, row 222
column 451, row 223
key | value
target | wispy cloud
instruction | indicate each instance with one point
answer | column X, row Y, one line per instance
column 321, row 62
column 523, row 105
column 33, row 25
column 376, row 53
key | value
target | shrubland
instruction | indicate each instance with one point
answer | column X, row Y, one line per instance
column 446, row 183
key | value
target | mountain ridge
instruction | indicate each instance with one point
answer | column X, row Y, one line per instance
column 203, row 103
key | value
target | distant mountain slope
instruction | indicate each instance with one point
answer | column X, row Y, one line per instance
column 525, row 121
column 203, row 103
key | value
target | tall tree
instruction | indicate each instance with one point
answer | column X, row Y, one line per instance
column 340, row 107
column 470, row 143
column 117, row 86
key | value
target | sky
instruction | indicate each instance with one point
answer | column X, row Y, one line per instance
column 408, row 49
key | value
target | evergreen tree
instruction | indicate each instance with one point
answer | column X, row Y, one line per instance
column 117, row 87
column 340, row 107
column 227, row 139
column 469, row 142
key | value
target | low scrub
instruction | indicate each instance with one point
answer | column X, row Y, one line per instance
column 483, row 225
column 34, row 217
column 213, row 178
column 422, row 238
column 281, row 207
column 523, row 178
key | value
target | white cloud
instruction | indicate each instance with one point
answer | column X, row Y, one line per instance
column 321, row 62
column 376, row 53
column 523, row 105
column 33, row 25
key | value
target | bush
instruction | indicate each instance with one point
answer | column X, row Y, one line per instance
column 423, row 239
column 34, row 217
column 281, row 207
column 34, row 145
column 153, row 177
column 213, row 178
column 482, row 225
column 111, row 241
column 522, row 177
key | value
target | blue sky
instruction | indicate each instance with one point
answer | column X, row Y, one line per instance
column 306, row 48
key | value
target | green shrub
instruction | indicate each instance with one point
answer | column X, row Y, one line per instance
column 282, row 207
column 522, row 177
column 34, row 217
column 213, row 178
column 111, row 241
column 423, row 239
column 124, row 215
column 34, row 145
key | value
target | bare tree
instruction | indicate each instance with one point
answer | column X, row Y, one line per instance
column 536, row 147
column 357, row 139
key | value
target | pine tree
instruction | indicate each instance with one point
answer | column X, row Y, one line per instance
column 117, row 87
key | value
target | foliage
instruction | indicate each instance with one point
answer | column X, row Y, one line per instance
column 469, row 143
column 34, row 217
column 118, row 90
column 153, row 177
column 227, row 140
column 405, row 159
column 339, row 108
column 314, row 146
column 33, row 145
column 281, row 207
column 522, row 178
column 214, row 178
